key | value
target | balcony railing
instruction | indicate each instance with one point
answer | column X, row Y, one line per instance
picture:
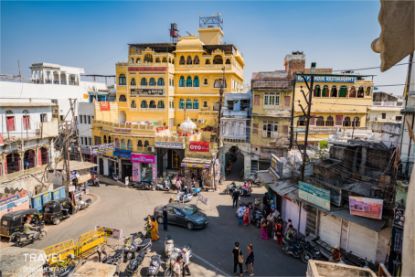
column 239, row 114
column 387, row 104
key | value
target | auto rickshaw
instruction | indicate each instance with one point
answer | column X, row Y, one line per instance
column 57, row 210
column 13, row 222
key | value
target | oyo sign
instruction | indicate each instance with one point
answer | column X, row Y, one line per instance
column 199, row 146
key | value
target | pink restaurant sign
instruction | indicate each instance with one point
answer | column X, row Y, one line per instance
column 143, row 158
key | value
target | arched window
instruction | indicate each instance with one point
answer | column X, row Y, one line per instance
column 133, row 104
column 105, row 139
column 144, row 104
column 196, row 81
column 189, row 81
column 205, row 81
column 368, row 90
column 196, row 104
column 181, row 81
column 132, row 60
column 152, row 104
column 207, row 61
column 228, row 61
column 333, row 91
column 164, row 60
column 196, row 60
column 343, row 91
column 117, row 143
column 122, row 98
column 109, row 139
column 188, row 104
column 160, row 104
column 146, row 144
column 360, row 92
column 122, row 81
column 160, row 82
column 352, row 92
column 132, row 82
column 181, row 103
column 320, row 121
column 148, row 58
column 129, row 145
column 158, row 60
column 317, row 91
column 139, row 143
column 182, row 60
column 143, row 82
column 189, row 60
column 26, row 120
column 122, row 143
column 325, row 92
column 138, row 60
column 218, row 83
column 152, row 82
column 301, row 121
column 330, row 121
column 217, row 59
column 346, row 122
column 356, row 122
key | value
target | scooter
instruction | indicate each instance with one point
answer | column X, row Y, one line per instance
column 164, row 185
column 293, row 248
column 135, row 263
column 82, row 205
column 154, row 267
column 184, row 197
column 168, row 246
column 135, row 243
column 22, row 239
column 143, row 185
column 309, row 252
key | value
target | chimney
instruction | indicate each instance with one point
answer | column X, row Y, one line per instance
column 294, row 62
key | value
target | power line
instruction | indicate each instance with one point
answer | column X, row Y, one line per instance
column 367, row 68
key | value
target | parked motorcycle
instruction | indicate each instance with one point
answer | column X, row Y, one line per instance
column 164, row 185
column 184, row 197
column 115, row 259
column 83, row 204
column 168, row 246
column 22, row 239
column 309, row 252
column 135, row 263
column 135, row 243
column 155, row 264
column 292, row 248
column 143, row 185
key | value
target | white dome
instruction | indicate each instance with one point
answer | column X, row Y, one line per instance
column 188, row 126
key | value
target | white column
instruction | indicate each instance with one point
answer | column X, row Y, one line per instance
column 52, row 76
column 59, row 77
column 67, row 78
column 43, row 76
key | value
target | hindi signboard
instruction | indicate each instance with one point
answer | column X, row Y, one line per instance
column 314, row 195
column 366, row 207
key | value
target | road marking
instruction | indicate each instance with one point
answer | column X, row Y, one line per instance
column 217, row 269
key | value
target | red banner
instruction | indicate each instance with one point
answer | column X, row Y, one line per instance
column 104, row 106
column 199, row 146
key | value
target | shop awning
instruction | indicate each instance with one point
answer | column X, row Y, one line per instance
column 76, row 165
column 373, row 224
column 265, row 177
column 285, row 187
column 196, row 163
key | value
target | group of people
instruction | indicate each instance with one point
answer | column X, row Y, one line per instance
column 239, row 259
column 181, row 264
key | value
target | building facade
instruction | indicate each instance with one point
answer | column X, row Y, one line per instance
column 161, row 87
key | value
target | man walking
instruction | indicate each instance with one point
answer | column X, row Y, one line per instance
column 236, row 260
column 235, row 198
column 250, row 260
column 165, row 219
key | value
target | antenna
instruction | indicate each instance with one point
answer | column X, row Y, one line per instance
column 18, row 67
column 174, row 32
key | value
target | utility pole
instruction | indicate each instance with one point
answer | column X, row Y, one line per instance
column 292, row 113
column 218, row 134
column 308, row 98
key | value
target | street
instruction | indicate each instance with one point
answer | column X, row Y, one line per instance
column 126, row 208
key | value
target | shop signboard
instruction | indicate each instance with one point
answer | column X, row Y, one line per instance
column 15, row 205
column 328, row 79
column 199, row 146
column 314, row 195
column 122, row 153
column 366, row 207
column 143, row 158
column 100, row 148
column 169, row 144
column 104, row 106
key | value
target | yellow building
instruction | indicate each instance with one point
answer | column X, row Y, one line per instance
column 160, row 87
column 339, row 101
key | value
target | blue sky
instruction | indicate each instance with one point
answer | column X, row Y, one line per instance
column 94, row 35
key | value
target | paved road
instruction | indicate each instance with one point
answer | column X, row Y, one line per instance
column 126, row 208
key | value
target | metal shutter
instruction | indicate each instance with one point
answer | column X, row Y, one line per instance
column 329, row 230
column 363, row 241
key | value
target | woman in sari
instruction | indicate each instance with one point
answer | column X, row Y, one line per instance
column 154, row 229
column 263, row 230
column 246, row 216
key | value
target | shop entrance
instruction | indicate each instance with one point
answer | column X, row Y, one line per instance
column 169, row 160
column 234, row 164
column 126, row 169
column 29, row 159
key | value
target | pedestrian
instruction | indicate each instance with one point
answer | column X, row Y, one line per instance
column 177, row 267
column 186, row 261
column 165, row 219
column 263, row 229
column 240, row 214
column 246, row 216
column 154, row 229
column 250, row 259
column 278, row 231
column 270, row 225
column 237, row 262
column 235, row 197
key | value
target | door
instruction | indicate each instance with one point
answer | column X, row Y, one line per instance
column 179, row 217
column 330, row 228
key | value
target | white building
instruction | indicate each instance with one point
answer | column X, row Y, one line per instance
column 407, row 144
column 28, row 128
column 236, row 151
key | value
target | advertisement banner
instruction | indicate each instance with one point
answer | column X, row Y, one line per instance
column 314, row 195
column 366, row 207
column 143, row 158
column 122, row 153
column 15, row 205
column 169, row 145
column 199, row 146
column 136, row 172
column 104, row 106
